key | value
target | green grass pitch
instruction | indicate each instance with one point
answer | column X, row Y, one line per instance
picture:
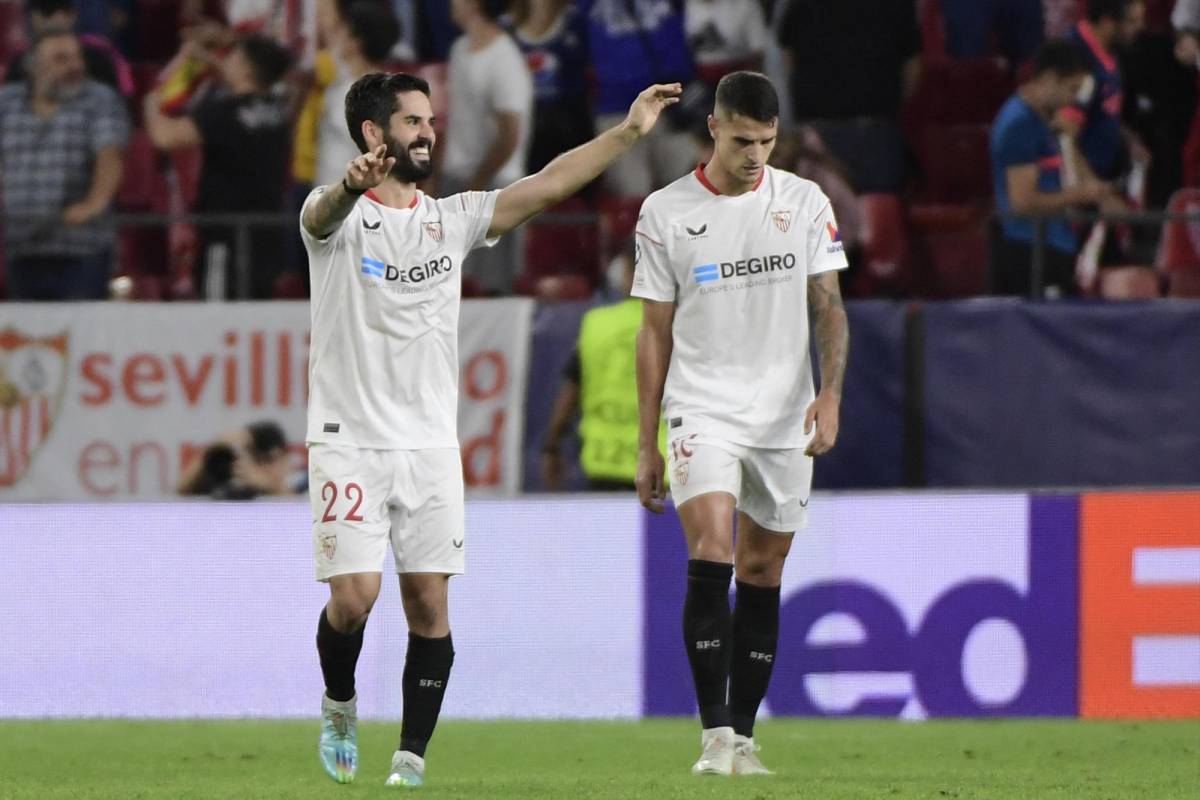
column 822, row 760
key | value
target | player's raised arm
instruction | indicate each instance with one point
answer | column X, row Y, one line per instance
column 832, row 332
column 575, row 168
column 323, row 215
column 654, row 345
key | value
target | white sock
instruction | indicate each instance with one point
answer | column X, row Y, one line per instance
column 708, row 734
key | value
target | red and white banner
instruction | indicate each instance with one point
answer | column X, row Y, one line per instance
column 106, row 401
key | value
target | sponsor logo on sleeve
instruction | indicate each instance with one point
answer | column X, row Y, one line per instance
column 835, row 239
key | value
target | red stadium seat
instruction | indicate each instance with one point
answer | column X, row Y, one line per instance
column 142, row 181
column 960, row 91
column 950, row 250
column 956, row 164
column 933, row 28
column 619, row 216
column 158, row 24
column 289, row 285
column 561, row 246
column 186, row 166
column 884, row 246
column 12, row 32
column 1179, row 245
column 472, row 288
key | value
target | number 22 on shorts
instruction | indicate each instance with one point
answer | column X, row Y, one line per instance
column 329, row 493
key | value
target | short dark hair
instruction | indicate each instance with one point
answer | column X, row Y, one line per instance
column 266, row 437
column 52, row 32
column 1060, row 57
column 50, row 7
column 268, row 58
column 374, row 26
column 1115, row 10
column 750, row 94
column 493, row 9
column 373, row 97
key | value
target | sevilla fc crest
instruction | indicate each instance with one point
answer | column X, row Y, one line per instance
column 329, row 545
column 434, row 230
column 782, row 220
column 33, row 372
column 680, row 478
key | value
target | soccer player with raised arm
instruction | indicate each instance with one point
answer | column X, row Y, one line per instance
column 384, row 465
column 732, row 258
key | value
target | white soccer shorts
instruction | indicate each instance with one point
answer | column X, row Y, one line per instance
column 771, row 486
column 363, row 499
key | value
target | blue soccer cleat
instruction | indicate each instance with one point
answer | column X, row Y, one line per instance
column 338, row 746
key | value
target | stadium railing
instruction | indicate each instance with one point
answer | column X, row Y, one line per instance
column 592, row 241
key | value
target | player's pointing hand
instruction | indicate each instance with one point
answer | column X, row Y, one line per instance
column 370, row 169
column 649, row 104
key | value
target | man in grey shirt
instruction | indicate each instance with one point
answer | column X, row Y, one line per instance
column 61, row 143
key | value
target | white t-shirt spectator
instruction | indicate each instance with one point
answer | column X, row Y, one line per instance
column 724, row 35
column 484, row 83
column 335, row 148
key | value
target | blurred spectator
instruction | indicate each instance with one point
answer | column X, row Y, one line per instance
column 491, row 103
column 1027, row 167
column 1186, row 20
column 61, row 141
column 632, row 44
column 436, row 30
column 978, row 28
column 802, row 152
column 851, row 64
column 725, row 36
column 1061, row 16
column 102, row 62
column 600, row 382
column 243, row 464
column 1106, row 143
column 243, row 128
column 361, row 41
column 1160, row 101
column 551, row 36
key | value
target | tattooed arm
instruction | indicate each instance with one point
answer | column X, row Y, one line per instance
column 325, row 215
column 832, row 333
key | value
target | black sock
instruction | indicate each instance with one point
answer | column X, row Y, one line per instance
column 339, row 655
column 426, row 673
column 755, row 637
column 707, row 631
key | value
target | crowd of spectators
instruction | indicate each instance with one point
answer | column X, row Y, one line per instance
column 928, row 122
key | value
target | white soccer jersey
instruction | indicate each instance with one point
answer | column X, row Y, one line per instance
column 386, row 289
column 737, row 268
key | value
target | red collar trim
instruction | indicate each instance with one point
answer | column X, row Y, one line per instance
column 1088, row 34
column 707, row 184
column 415, row 201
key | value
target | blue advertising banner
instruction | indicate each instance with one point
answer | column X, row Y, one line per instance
column 910, row 606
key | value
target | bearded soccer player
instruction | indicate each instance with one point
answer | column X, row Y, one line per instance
column 732, row 259
column 384, row 464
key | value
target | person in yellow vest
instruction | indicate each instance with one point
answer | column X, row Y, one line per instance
column 600, row 382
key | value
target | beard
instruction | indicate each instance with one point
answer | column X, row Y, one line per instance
column 406, row 169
